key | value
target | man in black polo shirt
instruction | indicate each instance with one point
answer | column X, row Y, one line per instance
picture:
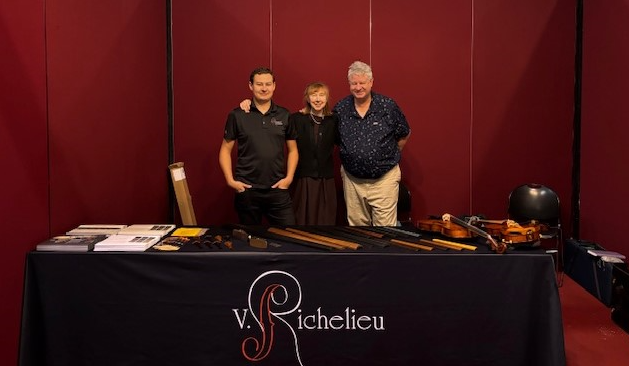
column 261, row 178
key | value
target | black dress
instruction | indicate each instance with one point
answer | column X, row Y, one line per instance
column 314, row 189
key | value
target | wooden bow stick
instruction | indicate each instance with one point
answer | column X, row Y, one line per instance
column 292, row 235
column 400, row 243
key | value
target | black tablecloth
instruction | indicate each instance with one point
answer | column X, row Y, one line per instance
column 291, row 308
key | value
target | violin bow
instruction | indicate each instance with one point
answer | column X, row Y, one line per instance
column 493, row 244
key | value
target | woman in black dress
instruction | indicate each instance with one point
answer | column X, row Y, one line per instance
column 314, row 188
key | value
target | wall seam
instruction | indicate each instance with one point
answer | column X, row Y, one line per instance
column 271, row 34
column 370, row 31
column 48, row 174
column 471, row 141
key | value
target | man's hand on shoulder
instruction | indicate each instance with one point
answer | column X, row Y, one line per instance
column 245, row 105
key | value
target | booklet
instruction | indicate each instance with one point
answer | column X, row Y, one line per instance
column 71, row 243
column 96, row 229
column 189, row 231
column 160, row 230
column 126, row 243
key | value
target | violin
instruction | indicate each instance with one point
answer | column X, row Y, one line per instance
column 445, row 228
column 453, row 227
column 492, row 228
column 498, row 247
column 509, row 231
column 432, row 225
column 454, row 230
column 499, row 233
column 519, row 234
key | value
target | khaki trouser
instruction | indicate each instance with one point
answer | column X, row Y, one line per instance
column 372, row 201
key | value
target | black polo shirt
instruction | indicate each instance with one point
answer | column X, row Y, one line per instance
column 261, row 139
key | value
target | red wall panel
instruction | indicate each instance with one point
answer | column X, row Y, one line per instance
column 604, row 177
column 23, row 156
column 523, row 77
column 107, row 112
column 421, row 58
column 216, row 46
column 486, row 86
column 311, row 43
column 482, row 84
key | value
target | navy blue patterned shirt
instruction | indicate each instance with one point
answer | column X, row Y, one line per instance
column 368, row 145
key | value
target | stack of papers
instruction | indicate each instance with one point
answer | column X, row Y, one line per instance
column 108, row 237
column 96, row 229
column 607, row 255
column 134, row 238
column 123, row 243
column 71, row 243
column 160, row 230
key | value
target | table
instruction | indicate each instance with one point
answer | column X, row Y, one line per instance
column 255, row 307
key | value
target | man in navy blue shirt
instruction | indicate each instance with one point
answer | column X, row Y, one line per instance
column 262, row 174
column 372, row 133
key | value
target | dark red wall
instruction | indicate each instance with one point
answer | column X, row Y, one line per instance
column 107, row 112
column 23, row 156
column 523, row 72
column 84, row 126
column 487, row 88
column 217, row 44
column 604, row 172
column 422, row 57
column 214, row 51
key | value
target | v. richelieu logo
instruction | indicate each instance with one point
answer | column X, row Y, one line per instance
column 272, row 298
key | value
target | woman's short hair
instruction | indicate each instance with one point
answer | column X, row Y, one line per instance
column 313, row 88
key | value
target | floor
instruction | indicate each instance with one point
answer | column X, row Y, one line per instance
column 591, row 338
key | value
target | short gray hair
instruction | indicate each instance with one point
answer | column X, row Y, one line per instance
column 359, row 67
